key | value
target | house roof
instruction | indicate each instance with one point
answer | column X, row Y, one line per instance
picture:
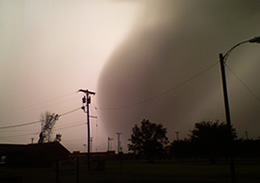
column 47, row 150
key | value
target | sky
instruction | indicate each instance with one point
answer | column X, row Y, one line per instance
column 146, row 59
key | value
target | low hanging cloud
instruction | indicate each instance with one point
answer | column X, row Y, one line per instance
column 166, row 69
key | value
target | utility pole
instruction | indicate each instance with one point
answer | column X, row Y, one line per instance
column 87, row 99
column 85, row 145
column 32, row 140
column 108, row 143
column 91, row 143
column 177, row 135
column 246, row 135
column 119, row 143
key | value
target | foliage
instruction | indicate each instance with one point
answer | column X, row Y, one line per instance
column 211, row 139
column 58, row 138
column 211, row 132
column 48, row 121
column 150, row 139
column 181, row 149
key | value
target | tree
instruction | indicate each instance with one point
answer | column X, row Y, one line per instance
column 181, row 149
column 150, row 139
column 58, row 138
column 211, row 139
column 48, row 121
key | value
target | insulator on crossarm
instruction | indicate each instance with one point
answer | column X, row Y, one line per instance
column 83, row 108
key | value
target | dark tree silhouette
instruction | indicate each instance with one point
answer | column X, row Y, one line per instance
column 181, row 149
column 48, row 121
column 150, row 139
column 58, row 138
column 211, row 139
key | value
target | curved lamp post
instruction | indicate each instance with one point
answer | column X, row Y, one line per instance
column 225, row 95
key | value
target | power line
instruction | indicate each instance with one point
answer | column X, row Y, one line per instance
column 34, row 122
column 66, row 113
column 101, row 117
column 20, row 135
column 165, row 92
column 248, row 89
column 70, row 126
column 21, row 110
column 15, row 131
column 24, row 124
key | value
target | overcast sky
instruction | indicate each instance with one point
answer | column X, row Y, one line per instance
column 149, row 59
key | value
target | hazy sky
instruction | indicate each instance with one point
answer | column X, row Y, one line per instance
column 148, row 59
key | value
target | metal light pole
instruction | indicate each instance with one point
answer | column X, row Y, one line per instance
column 119, row 142
column 177, row 136
column 222, row 60
column 108, row 145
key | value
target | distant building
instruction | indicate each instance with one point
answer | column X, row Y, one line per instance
column 38, row 155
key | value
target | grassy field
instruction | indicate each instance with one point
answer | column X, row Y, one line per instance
column 136, row 171
column 193, row 171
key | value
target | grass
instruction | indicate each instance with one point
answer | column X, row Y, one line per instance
column 200, row 171
column 116, row 171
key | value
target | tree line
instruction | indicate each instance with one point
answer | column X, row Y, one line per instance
column 209, row 140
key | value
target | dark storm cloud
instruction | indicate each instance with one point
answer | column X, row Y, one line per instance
column 170, row 44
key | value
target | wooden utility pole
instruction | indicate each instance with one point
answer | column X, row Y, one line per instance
column 87, row 99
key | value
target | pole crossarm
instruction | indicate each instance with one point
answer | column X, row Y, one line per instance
column 86, row 91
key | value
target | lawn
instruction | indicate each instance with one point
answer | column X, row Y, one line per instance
column 194, row 171
column 139, row 171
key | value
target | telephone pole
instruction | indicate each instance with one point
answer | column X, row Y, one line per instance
column 108, row 143
column 87, row 100
column 177, row 136
column 246, row 135
column 91, row 142
column 119, row 143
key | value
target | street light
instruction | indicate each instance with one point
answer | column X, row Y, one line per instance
column 225, row 95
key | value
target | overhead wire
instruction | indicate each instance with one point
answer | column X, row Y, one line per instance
column 164, row 92
column 18, row 110
column 24, row 124
column 248, row 89
column 101, row 117
column 34, row 122
column 59, row 128
column 70, row 126
column 20, row 135
column 66, row 113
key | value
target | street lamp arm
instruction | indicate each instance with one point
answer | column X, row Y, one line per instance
column 253, row 40
column 231, row 49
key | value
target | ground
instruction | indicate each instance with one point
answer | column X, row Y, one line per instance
column 139, row 171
